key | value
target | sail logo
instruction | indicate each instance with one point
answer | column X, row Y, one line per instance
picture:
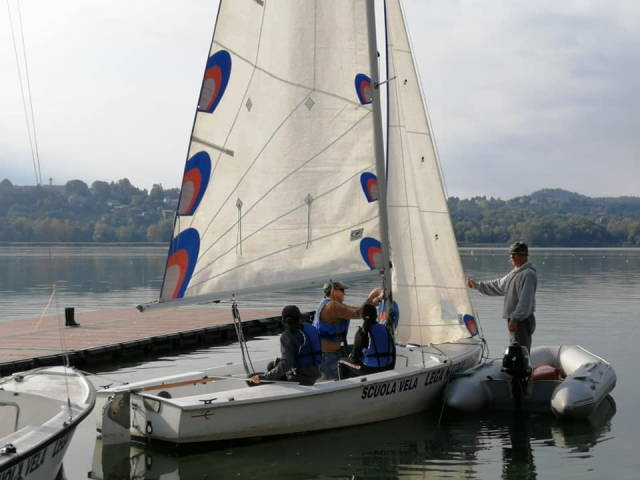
column 194, row 182
column 183, row 254
column 369, row 184
column 470, row 323
column 363, row 89
column 216, row 78
column 371, row 251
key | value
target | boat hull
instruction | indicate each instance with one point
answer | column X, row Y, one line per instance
column 227, row 409
column 589, row 379
column 40, row 409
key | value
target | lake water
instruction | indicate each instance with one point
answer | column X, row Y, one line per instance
column 588, row 297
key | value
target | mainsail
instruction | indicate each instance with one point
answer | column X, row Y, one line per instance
column 279, row 186
column 427, row 276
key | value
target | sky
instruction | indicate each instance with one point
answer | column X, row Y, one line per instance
column 522, row 95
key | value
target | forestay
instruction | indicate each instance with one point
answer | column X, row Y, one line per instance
column 279, row 186
column 427, row 276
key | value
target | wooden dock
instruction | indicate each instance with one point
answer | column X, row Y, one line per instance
column 110, row 335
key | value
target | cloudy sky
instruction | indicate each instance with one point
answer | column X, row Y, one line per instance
column 522, row 95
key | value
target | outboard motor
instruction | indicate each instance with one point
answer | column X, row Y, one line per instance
column 517, row 364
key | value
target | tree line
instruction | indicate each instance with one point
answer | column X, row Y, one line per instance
column 75, row 212
column 548, row 218
column 121, row 212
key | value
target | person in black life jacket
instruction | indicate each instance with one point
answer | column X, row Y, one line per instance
column 373, row 347
column 299, row 351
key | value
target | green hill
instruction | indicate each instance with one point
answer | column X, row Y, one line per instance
column 75, row 212
column 120, row 212
column 546, row 218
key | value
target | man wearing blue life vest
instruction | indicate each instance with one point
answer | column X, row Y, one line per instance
column 332, row 321
column 299, row 350
column 373, row 347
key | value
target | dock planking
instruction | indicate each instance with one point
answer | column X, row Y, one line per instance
column 105, row 335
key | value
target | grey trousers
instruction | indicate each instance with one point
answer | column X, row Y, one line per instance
column 524, row 331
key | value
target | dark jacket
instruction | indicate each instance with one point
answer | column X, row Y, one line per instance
column 285, row 369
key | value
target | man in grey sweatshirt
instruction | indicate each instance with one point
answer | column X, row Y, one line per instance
column 519, row 290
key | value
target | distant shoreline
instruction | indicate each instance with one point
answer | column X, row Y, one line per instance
column 465, row 246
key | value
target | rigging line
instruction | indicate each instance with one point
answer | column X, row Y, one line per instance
column 264, row 14
column 258, row 156
column 417, row 207
column 424, row 104
column 29, row 97
column 420, row 285
column 63, row 346
column 392, row 320
column 315, row 43
column 46, row 308
column 291, row 83
column 22, row 93
column 417, row 132
column 284, row 214
column 276, row 252
column 433, row 325
column 260, row 153
column 249, row 167
column 244, row 349
column 271, row 222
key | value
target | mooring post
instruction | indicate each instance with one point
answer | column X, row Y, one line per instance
column 69, row 317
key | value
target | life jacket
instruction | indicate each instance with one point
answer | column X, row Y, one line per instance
column 380, row 352
column 327, row 331
column 309, row 353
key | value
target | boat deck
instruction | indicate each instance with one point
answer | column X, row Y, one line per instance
column 107, row 335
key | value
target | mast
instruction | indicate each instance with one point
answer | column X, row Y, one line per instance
column 379, row 154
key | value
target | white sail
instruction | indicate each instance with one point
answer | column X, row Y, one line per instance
column 427, row 276
column 279, row 186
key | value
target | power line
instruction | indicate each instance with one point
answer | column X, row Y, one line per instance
column 27, row 104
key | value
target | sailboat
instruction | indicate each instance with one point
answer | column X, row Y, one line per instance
column 286, row 185
column 39, row 412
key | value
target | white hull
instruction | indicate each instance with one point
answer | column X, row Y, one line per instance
column 589, row 379
column 226, row 408
column 38, row 422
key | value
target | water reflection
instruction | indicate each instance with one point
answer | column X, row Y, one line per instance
column 406, row 448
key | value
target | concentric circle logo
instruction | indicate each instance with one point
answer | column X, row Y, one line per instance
column 183, row 254
column 194, row 182
column 363, row 89
column 216, row 78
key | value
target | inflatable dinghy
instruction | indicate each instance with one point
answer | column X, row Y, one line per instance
column 568, row 380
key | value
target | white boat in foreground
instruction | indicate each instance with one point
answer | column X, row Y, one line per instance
column 287, row 185
column 567, row 380
column 39, row 411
